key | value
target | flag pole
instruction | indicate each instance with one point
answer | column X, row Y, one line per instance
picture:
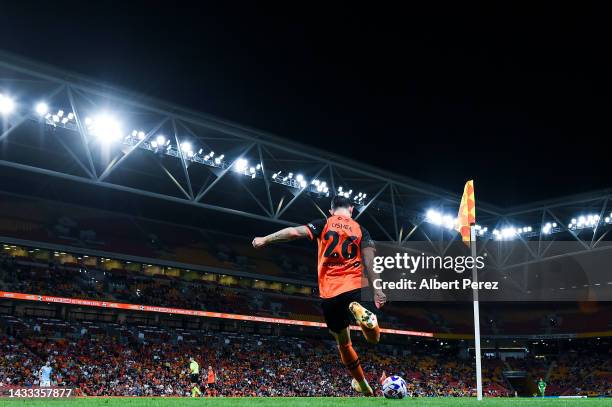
column 476, row 315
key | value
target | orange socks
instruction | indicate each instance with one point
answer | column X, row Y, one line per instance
column 371, row 335
column 351, row 361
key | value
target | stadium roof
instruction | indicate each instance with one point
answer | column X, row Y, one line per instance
column 69, row 130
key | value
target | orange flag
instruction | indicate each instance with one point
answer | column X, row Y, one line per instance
column 467, row 212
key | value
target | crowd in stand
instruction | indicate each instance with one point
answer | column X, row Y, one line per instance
column 244, row 366
column 139, row 289
column 104, row 365
column 583, row 371
column 168, row 291
column 252, row 365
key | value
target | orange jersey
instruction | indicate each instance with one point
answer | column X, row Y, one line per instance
column 340, row 242
column 211, row 377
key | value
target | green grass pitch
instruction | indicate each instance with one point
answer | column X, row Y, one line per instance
column 306, row 402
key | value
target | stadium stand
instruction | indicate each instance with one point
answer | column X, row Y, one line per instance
column 130, row 360
column 121, row 356
column 34, row 271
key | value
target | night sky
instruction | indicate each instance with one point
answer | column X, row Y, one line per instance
column 516, row 97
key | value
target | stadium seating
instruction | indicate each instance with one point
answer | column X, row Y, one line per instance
column 135, row 360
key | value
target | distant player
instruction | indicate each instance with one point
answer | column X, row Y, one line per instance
column 542, row 386
column 44, row 375
column 345, row 250
column 194, row 375
column 211, row 378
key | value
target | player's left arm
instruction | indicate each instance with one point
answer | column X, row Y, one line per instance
column 283, row 235
column 368, row 251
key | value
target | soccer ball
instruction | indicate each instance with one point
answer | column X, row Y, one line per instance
column 394, row 387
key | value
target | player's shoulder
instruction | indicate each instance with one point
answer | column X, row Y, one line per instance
column 355, row 224
column 317, row 225
column 316, row 222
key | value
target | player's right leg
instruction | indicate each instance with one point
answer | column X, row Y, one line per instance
column 367, row 321
column 338, row 318
column 351, row 361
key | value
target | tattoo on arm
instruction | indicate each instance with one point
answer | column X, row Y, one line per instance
column 287, row 234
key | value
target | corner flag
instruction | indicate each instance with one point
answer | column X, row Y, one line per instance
column 466, row 225
column 467, row 212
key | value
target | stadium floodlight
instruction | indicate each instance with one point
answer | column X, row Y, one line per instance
column 7, row 104
column 159, row 141
column 434, row 217
column 186, row 147
column 241, row 164
column 258, row 166
column 200, row 151
column 41, row 108
column 509, row 232
column 303, row 184
column 585, row 221
column 104, row 127
column 299, row 178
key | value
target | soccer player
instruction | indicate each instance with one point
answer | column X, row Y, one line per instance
column 345, row 249
column 44, row 375
column 210, row 380
column 542, row 386
column 194, row 373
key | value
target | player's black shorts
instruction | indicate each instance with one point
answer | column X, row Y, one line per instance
column 336, row 310
column 195, row 378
